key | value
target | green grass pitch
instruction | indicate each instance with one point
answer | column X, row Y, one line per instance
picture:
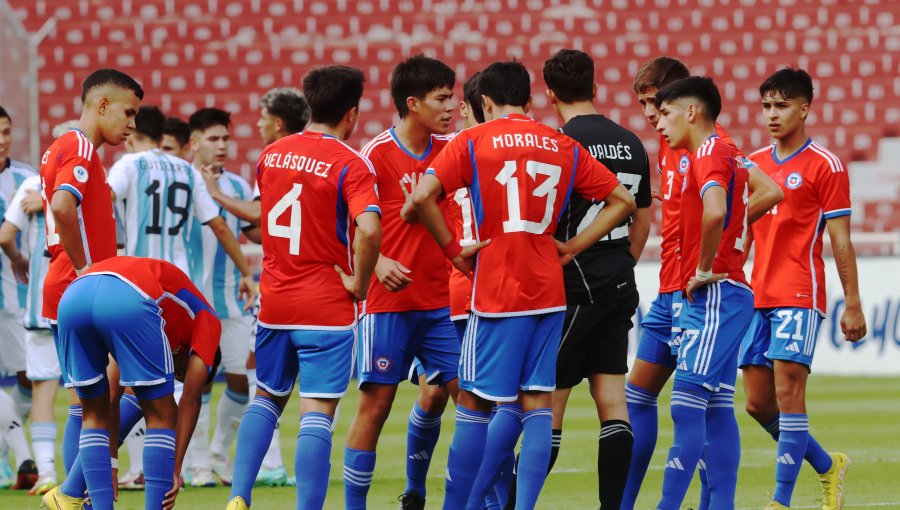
column 860, row 416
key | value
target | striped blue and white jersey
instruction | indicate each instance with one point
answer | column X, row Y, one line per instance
column 33, row 244
column 161, row 200
column 212, row 268
column 12, row 175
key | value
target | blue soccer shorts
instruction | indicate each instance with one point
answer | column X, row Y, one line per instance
column 390, row 341
column 322, row 358
column 660, row 333
column 100, row 315
column 786, row 334
column 501, row 356
column 713, row 327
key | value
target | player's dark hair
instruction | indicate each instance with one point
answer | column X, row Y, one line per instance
column 205, row 118
column 658, row 73
column 149, row 122
column 4, row 114
column 570, row 75
column 178, row 129
column 332, row 91
column 113, row 77
column 472, row 98
column 790, row 83
column 289, row 105
column 215, row 366
column 416, row 77
column 701, row 88
column 506, row 83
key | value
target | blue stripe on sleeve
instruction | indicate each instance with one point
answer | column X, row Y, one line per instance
column 71, row 189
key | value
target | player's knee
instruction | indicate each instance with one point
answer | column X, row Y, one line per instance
column 791, row 398
column 760, row 410
column 433, row 399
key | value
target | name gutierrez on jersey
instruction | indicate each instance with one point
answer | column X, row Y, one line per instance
column 291, row 161
column 525, row 140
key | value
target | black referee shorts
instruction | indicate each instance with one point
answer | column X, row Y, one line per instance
column 595, row 337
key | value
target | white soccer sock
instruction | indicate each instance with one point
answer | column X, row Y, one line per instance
column 135, row 444
column 43, row 441
column 198, row 448
column 11, row 426
column 228, row 420
column 22, row 400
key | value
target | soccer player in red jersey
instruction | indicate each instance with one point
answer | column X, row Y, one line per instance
column 789, row 285
column 321, row 235
column 154, row 323
column 520, row 174
column 77, row 204
column 407, row 312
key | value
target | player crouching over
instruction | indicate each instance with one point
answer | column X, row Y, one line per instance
column 155, row 323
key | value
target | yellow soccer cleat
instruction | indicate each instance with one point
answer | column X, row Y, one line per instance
column 833, row 482
column 237, row 503
column 774, row 505
column 56, row 500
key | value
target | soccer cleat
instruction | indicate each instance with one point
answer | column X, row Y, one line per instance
column 412, row 501
column 201, row 477
column 833, row 482
column 56, row 500
column 774, row 505
column 27, row 476
column 132, row 481
column 43, row 485
column 237, row 503
column 222, row 468
column 272, row 478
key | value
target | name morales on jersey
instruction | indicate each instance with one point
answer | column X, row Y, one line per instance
column 291, row 161
column 508, row 141
column 610, row 151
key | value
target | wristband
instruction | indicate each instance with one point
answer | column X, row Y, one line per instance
column 702, row 276
column 452, row 249
column 115, row 462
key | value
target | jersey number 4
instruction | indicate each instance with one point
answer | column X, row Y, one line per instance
column 183, row 211
column 545, row 189
column 291, row 231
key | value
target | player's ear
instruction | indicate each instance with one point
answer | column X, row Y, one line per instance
column 594, row 89
column 804, row 111
column 279, row 125
column 527, row 106
column 412, row 104
column 464, row 109
column 551, row 96
column 102, row 105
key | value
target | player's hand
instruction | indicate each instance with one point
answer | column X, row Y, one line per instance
column 20, row 269
column 210, row 178
column 695, row 284
column 564, row 251
column 853, row 324
column 247, row 291
column 392, row 274
column 169, row 501
column 465, row 261
column 655, row 194
column 31, row 202
column 408, row 211
column 352, row 286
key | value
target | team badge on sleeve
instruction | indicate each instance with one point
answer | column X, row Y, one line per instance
column 81, row 174
column 794, row 180
column 684, row 164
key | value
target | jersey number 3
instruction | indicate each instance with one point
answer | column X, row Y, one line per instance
column 291, row 200
column 545, row 189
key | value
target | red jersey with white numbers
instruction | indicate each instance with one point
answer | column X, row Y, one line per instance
column 715, row 163
column 71, row 164
column 312, row 187
column 520, row 174
column 410, row 244
column 190, row 323
column 461, row 219
column 788, row 270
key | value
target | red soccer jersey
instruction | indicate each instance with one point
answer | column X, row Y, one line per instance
column 520, row 173
column 788, row 270
column 715, row 163
column 190, row 323
column 312, row 187
column 461, row 218
column 673, row 165
column 409, row 244
column 72, row 164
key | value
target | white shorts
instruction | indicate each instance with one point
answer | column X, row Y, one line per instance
column 12, row 343
column 235, row 344
column 40, row 352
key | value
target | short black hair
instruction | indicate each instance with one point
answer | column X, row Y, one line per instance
column 700, row 87
column 332, row 91
column 109, row 76
column 417, row 76
column 289, row 105
column 4, row 114
column 205, row 118
column 659, row 72
column 506, row 83
column 472, row 98
column 570, row 75
column 790, row 83
column 178, row 129
column 149, row 122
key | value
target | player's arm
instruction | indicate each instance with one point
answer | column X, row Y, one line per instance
column 188, row 410
column 18, row 261
column 619, row 205
column 764, row 194
column 715, row 208
column 639, row 231
column 247, row 210
column 253, row 234
column 247, row 286
column 853, row 321
column 64, row 207
column 366, row 246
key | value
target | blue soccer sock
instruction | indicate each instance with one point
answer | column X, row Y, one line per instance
column 503, row 434
column 93, row 452
column 159, row 464
column 130, row 413
column 689, row 403
column 504, row 485
column 534, row 456
column 704, row 484
column 642, row 413
column 71, row 435
column 792, row 443
column 254, row 437
column 312, row 462
column 422, row 435
column 817, row 457
column 359, row 467
column 466, row 453
column 723, row 449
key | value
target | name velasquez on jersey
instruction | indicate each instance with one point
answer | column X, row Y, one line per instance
column 621, row 151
